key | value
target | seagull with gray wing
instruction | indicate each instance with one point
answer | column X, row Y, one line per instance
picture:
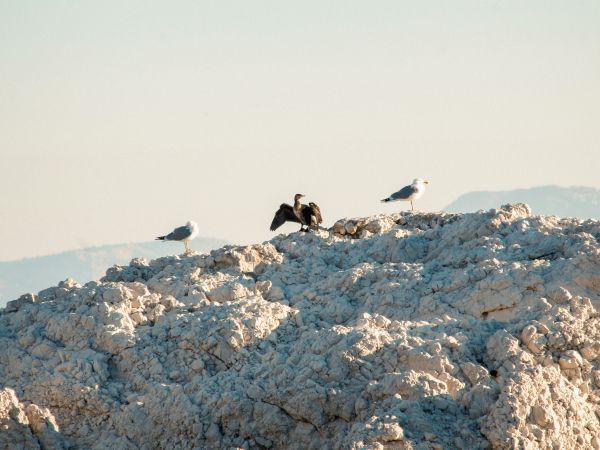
column 182, row 234
column 409, row 193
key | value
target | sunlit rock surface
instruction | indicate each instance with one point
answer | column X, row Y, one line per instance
column 402, row 331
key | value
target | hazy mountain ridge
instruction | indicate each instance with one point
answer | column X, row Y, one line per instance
column 33, row 274
column 575, row 201
column 401, row 331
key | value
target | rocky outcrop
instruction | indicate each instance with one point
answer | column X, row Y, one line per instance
column 402, row 331
column 26, row 427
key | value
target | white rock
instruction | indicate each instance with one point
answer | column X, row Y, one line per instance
column 350, row 228
column 560, row 295
column 425, row 330
column 528, row 334
column 571, row 359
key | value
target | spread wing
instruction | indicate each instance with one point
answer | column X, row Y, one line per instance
column 316, row 211
column 284, row 214
column 311, row 214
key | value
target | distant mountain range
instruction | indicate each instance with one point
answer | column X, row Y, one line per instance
column 576, row 201
column 33, row 274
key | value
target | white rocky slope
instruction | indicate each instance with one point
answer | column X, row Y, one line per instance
column 422, row 331
column 33, row 274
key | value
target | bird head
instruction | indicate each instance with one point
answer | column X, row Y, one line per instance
column 420, row 181
column 298, row 196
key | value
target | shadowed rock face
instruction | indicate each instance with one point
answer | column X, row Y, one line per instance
column 397, row 331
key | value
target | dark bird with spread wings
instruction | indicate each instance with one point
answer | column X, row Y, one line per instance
column 308, row 216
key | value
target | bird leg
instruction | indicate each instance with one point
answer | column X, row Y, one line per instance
column 187, row 250
column 412, row 208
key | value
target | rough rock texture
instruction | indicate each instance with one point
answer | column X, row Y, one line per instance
column 26, row 427
column 403, row 331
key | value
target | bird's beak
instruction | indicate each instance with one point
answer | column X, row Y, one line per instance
column 426, row 182
column 302, row 195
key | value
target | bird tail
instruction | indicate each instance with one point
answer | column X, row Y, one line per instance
column 160, row 238
column 385, row 200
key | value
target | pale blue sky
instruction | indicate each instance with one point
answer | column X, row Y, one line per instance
column 120, row 120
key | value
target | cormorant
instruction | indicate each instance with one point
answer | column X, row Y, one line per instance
column 308, row 216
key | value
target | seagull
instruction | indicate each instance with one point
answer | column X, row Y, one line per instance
column 308, row 216
column 182, row 234
column 410, row 193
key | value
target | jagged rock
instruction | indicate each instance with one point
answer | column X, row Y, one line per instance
column 571, row 359
column 26, row 427
column 409, row 330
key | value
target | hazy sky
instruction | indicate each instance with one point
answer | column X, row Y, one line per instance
column 122, row 119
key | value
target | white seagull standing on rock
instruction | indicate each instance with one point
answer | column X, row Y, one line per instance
column 409, row 193
column 182, row 234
